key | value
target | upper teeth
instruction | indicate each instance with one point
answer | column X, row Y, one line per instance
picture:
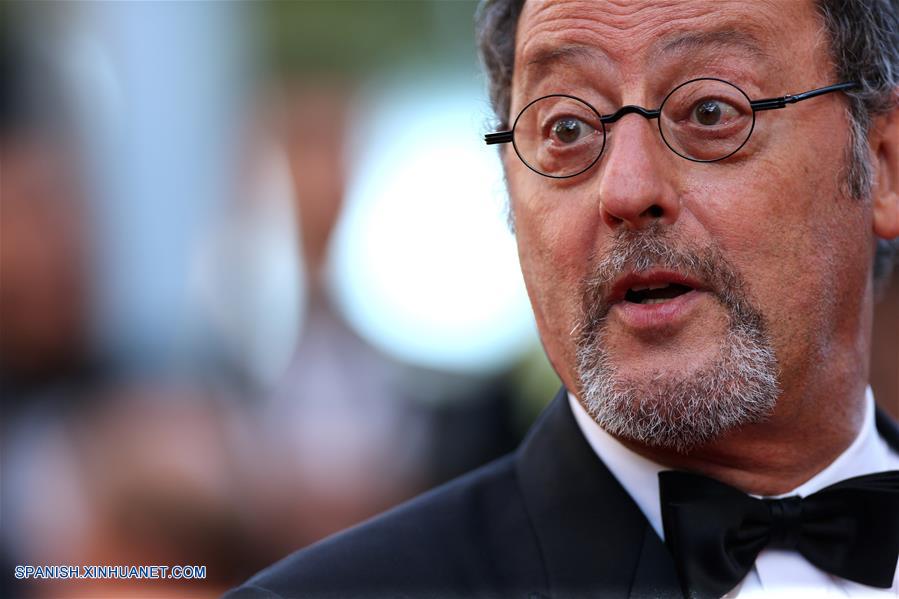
column 650, row 286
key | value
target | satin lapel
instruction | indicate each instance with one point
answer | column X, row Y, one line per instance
column 887, row 428
column 594, row 539
column 656, row 575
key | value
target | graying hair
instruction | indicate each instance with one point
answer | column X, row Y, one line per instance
column 864, row 47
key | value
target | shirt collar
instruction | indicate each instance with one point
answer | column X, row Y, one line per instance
column 639, row 476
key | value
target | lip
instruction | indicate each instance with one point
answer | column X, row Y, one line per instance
column 650, row 277
column 647, row 318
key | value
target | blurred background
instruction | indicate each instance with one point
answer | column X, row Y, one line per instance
column 256, row 281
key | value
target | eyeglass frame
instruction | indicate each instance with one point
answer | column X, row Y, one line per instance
column 507, row 136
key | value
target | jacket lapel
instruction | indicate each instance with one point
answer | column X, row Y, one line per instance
column 656, row 575
column 594, row 539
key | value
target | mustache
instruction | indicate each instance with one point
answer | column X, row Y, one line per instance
column 658, row 247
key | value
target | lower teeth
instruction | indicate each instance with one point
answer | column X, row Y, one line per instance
column 657, row 300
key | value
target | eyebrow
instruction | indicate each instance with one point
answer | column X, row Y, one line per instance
column 723, row 39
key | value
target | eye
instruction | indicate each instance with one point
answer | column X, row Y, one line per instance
column 569, row 129
column 713, row 112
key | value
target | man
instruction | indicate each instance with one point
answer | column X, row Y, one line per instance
column 699, row 261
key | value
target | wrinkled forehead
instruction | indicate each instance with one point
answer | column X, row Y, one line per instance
column 630, row 39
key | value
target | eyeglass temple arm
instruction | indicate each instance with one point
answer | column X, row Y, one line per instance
column 772, row 103
column 500, row 137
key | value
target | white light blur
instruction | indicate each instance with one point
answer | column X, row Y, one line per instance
column 422, row 262
column 158, row 88
column 249, row 277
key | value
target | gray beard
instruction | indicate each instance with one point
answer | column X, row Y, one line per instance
column 676, row 410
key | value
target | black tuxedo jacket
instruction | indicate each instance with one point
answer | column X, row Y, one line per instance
column 548, row 520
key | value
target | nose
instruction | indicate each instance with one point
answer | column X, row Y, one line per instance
column 635, row 188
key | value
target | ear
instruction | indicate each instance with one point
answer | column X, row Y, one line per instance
column 885, row 195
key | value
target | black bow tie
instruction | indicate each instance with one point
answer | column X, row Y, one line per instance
column 715, row 532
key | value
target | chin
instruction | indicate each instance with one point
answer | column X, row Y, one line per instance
column 676, row 408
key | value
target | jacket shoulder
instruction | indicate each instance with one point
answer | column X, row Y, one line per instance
column 469, row 537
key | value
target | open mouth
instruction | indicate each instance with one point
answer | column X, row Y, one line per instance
column 655, row 293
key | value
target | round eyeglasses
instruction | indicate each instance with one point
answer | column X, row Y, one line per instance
column 702, row 120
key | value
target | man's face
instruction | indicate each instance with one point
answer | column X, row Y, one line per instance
column 762, row 244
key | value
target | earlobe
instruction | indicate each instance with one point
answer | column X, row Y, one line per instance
column 886, row 217
column 885, row 195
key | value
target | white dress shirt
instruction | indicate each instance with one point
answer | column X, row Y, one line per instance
column 776, row 573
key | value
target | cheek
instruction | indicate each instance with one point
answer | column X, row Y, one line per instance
column 795, row 240
column 556, row 236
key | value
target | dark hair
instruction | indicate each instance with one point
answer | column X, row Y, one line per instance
column 864, row 47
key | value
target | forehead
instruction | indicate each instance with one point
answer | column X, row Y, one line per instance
column 635, row 37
